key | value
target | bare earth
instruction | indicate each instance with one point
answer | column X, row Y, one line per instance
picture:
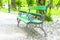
column 10, row 31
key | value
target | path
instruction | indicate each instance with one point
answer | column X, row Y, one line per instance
column 10, row 31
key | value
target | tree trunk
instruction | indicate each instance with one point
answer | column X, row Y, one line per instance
column 8, row 6
column 13, row 4
column 51, row 4
column 40, row 2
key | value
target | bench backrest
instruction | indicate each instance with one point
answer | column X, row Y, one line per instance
column 38, row 7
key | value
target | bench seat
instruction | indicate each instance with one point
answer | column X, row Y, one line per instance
column 26, row 20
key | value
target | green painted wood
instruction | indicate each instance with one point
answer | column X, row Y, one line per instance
column 27, row 21
column 38, row 7
column 35, row 21
column 22, row 11
column 23, row 18
column 35, row 14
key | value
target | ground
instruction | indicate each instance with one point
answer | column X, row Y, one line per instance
column 8, row 27
column 10, row 31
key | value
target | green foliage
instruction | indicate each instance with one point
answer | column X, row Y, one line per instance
column 58, row 2
column 48, row 16
column 5, row 2
column 30, row 2
column 55, row 12
column 55, row 2
column 18, row 3
column 0, row 2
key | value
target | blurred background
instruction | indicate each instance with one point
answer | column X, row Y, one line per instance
column 12, row 6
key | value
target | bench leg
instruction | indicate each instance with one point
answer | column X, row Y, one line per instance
column 26, row 25
column 18, row 22
column 43, row 30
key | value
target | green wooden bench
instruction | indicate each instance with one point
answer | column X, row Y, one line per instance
column 29, row 17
